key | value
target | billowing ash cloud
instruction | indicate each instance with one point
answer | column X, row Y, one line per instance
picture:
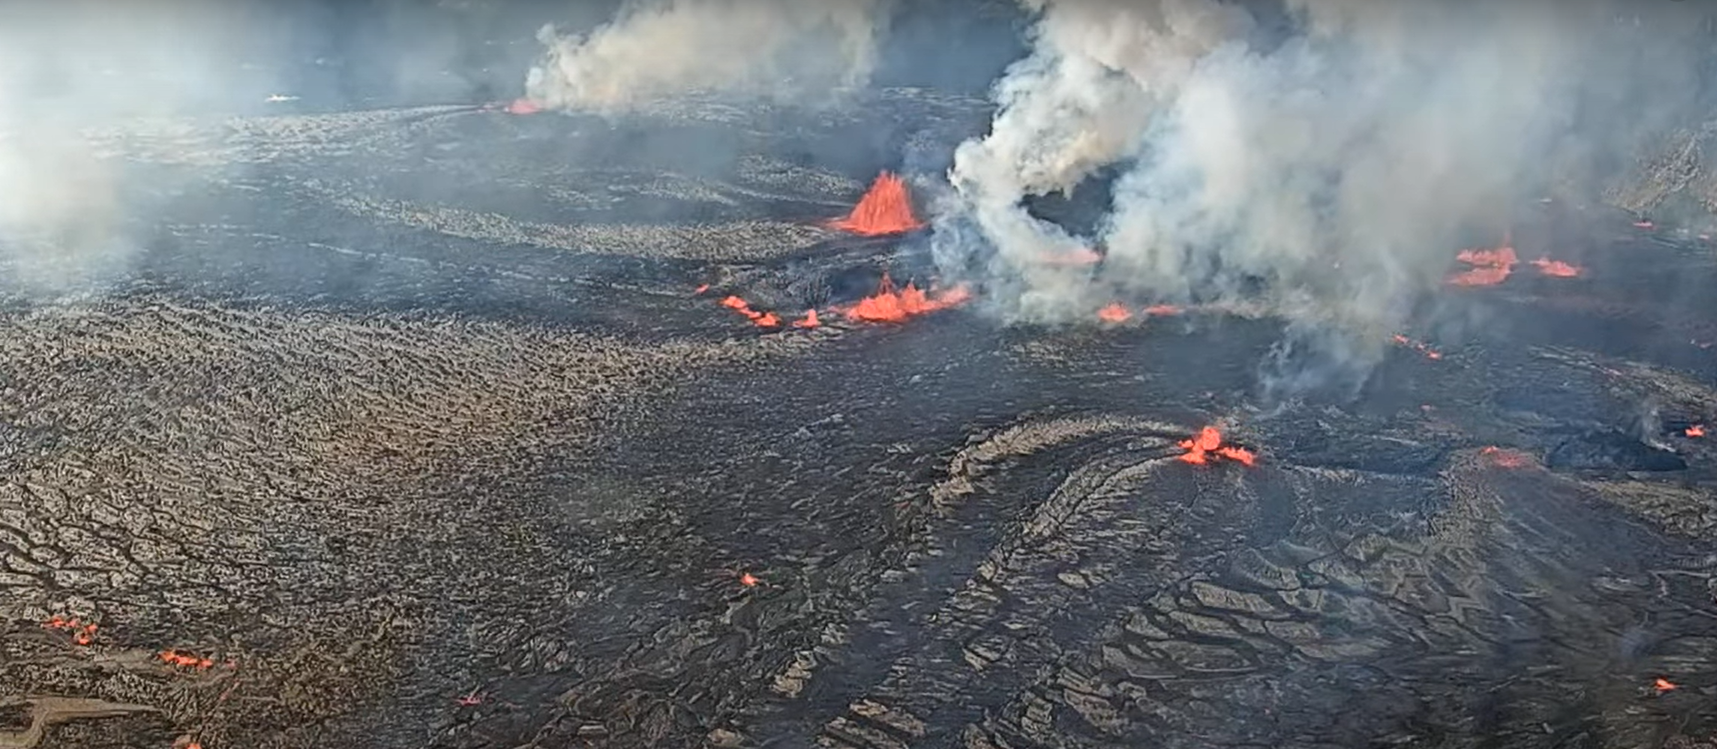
column 657, row 48
column 1323, row 158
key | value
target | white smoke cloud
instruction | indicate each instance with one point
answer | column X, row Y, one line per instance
column 659, row 48
column 1336, row 167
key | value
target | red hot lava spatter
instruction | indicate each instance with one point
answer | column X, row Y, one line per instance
column 893, row 305
column 885, row 209
column 760, row 319
column 1208, row 446
column 1419, row 346
column 1697, row 430
column 1113, row 312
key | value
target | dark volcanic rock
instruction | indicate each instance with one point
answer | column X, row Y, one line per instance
column 412, row 424
column 1613, row 451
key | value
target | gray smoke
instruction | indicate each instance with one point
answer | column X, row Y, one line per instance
column 63, row 204
column 659, row 48
column 1330, row 169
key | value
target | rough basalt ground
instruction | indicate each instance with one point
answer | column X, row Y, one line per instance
column 412, row 425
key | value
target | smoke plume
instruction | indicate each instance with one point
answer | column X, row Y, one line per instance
column 661, row 48
column 1325, row 159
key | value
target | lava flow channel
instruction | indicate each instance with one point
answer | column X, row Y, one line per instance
column 1208, row 445
column 760, row 319
column 885, row 209
column 889, row 304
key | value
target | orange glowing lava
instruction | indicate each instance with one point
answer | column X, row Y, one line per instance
column 1208, row 443
column 82, row 634
column 1419, row 346
column 1489, row 267
column 1557, row 268
column 176, row 658
column 809, row 321
column 1114, row 313
column 760, row 319
column 700, row 289
column 523, row 106
column 1504, row 458
column 1663, row 685
column 1697, row 430
column 1162, row 310
column 748, row 580
column 897, row 305
column 885, row 209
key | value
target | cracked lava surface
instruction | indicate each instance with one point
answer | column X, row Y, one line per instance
column 344, row 464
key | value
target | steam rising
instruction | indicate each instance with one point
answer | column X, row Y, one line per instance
column 1329, row 170
column 668, row 47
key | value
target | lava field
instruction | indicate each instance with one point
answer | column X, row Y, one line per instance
column 449, row 427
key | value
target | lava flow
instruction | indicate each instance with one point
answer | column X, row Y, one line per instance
column 809, row 321
column 1159, row 310
column 1557, row 268
column 885, row 209
column 889, row 304
column 1208, row 444
column 1419, row 346
column 1697, row 430
column 187, row 660
column 1489, row 267
column 760, row 319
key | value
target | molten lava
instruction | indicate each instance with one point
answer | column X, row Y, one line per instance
column 1557, row 268
column 1419, row 346
column 700, row 289
column 809, row 321
column 1697, row 430
column 1504, row 458
column 187, row 660
column 1208, row 444
column 1114, row 313
column 1489, row 267
column 1161, row 310
column 748, row 580
column 82, row 634
column 885, row 209
column 1663, row 685
column 760, row 319
column 523, row 106
column 897, row 305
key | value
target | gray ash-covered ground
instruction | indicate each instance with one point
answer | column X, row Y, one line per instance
column 411, row 424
